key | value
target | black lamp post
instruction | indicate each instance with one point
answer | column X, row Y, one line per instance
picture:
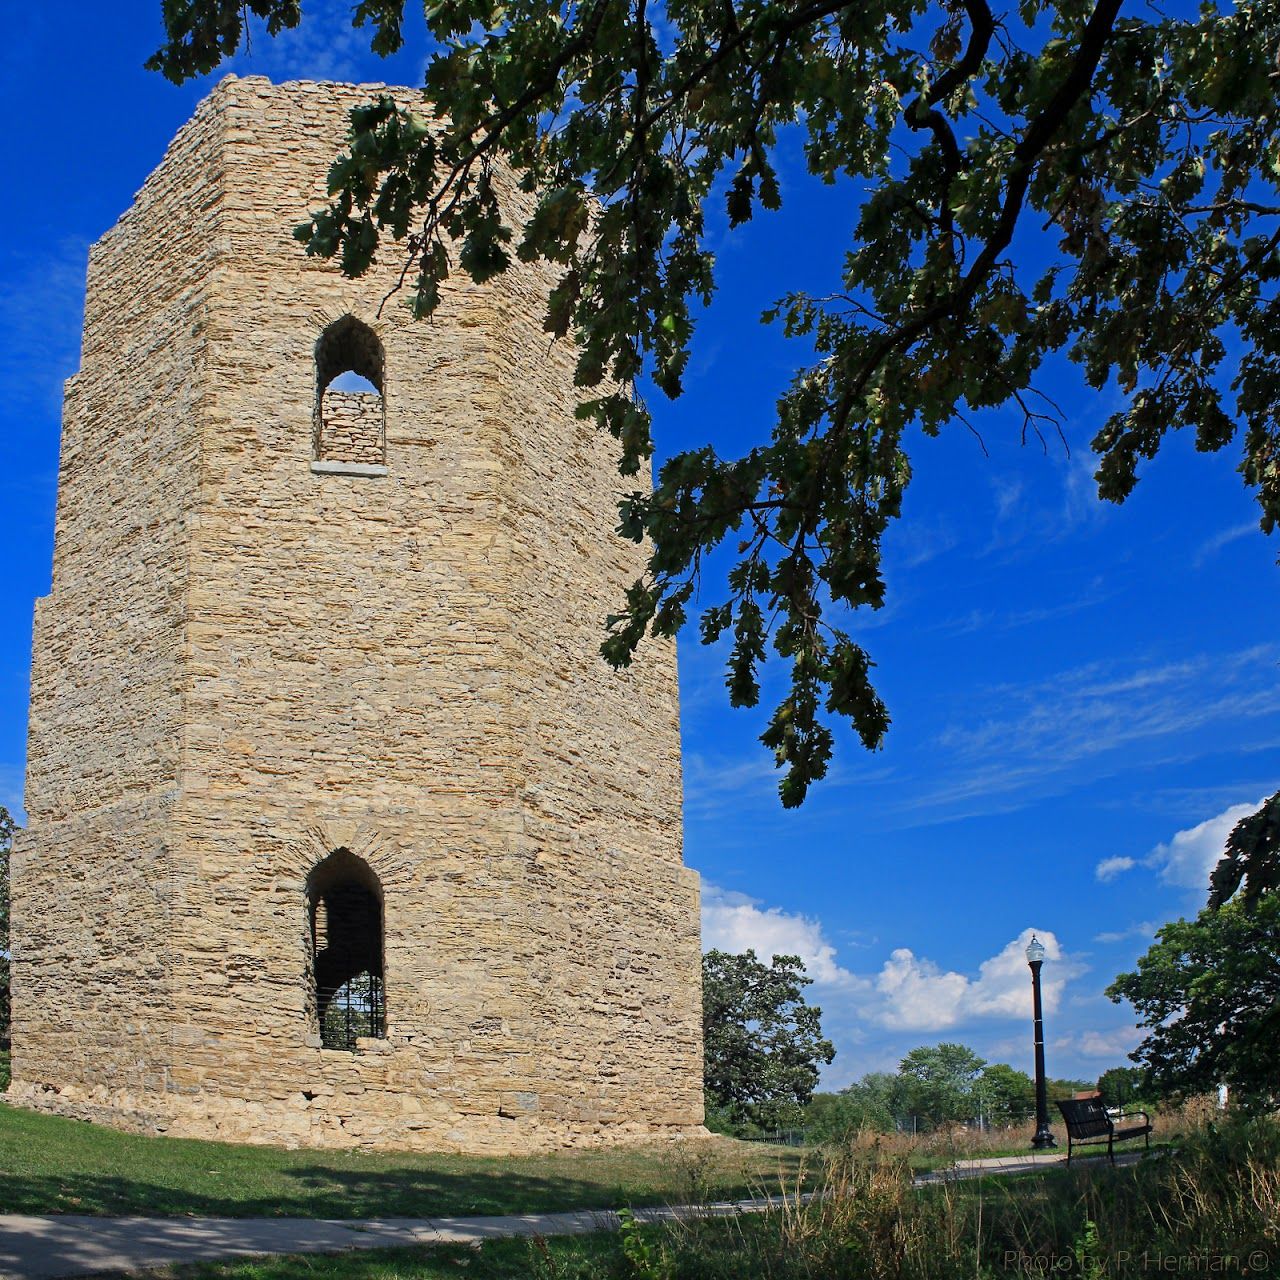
column 1044, row 1135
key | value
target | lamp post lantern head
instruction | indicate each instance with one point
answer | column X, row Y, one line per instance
column 1035, row 950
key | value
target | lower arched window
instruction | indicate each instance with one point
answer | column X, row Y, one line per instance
column 344, row 901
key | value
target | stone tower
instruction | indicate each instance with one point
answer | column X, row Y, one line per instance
column 340, row 830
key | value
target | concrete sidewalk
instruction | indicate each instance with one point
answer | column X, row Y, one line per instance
column 62, row 1245
column 1032, row 1162
column 48, row 1248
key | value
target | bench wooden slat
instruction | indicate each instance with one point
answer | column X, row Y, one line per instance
column 1087, row 1122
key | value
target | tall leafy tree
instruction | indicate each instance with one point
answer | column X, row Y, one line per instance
column 939, row 1082
column 1250, row 862
column 1007, row 1095
column 870, row 1103
column 1121, row 1086
column 1208, row 991
column 1208, row 994
column 1063, row 176
column 762, row 1043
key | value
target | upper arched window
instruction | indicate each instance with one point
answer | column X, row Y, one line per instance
column 350, row 417
column 344, row 905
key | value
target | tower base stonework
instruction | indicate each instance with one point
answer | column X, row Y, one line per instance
column 340, row 832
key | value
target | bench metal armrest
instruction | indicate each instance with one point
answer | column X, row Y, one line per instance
column 1129, row 1115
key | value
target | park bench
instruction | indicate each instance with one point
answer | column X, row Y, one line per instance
column 1088, row 1122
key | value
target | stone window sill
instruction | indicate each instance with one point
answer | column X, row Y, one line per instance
column 348, row 469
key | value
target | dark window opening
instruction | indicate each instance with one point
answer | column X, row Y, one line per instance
column 350, row 414
column 344, row 900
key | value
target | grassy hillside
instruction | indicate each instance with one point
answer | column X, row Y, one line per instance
column 53, row 1165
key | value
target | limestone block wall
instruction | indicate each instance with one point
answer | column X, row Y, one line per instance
column 351, row 428
column 403, row 665
column 94, row 873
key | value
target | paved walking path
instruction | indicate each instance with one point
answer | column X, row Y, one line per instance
column 1010, row 1165
column 61, row 1245
column 45, row 1248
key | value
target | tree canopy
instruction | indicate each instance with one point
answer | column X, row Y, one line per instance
column 1005, row 1094
column 1121, row 1086
column 1059, row 177
column 939, row 1082
column 1208, row 990
column 1208, row 993
column 1250, row 862
column 762, row 1043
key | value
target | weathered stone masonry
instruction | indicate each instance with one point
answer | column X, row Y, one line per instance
column 267, row 642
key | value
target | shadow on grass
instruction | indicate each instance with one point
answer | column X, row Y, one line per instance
column 49, row 1164
column 317, row 1192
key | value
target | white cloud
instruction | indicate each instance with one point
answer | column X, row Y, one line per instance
column 1211, row 546
column 1188, row 859
column 734, row 922
column 1051, row 730
column 1109, row 868
column 1143, row 929
column 908, row 994
column 918, row 996
column 1115, row 1044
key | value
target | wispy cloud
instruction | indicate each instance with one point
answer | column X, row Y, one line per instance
column 1189, row 803
column 1143, row 929
column 1007, row 492
column 41, row 313
column 1025, row 520
column 1110, row 868
column 324, row 46
column 1211, row 546
column 1049, row 728
column 992, row 620
column 716, row 786
column 912, row 543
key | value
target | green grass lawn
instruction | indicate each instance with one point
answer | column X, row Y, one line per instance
column 52, row 1165
column 595, row 1257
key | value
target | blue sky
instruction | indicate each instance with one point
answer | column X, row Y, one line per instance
column 1083, row 696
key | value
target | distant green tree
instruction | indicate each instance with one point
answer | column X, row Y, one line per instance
column 1008, row 1095
column 829, row 1117
column 1208, row 993
column 937, row 1082
column 1056, row 1088
column 7, row 828
column 865, row 1105
column 1121, row 1086
column 762, row 1042
column 873, row 1100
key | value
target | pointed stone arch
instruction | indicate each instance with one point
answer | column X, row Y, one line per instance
column 350, row 427
column 346, row 934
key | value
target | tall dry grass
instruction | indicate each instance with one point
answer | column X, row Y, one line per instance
column 1209, row 1205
